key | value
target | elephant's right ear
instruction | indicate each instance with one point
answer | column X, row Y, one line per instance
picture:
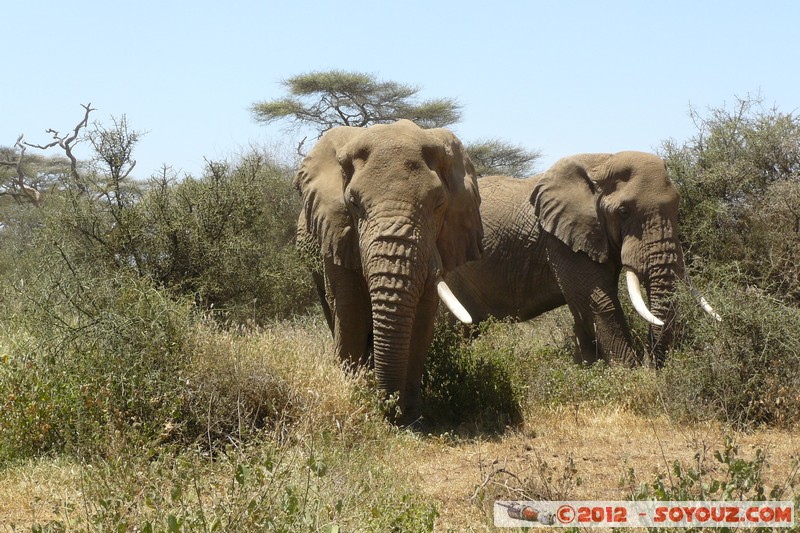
column 320, row 180
column 565, row 202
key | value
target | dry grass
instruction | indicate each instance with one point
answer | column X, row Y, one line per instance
column 464, row 477
column 37, row 492
column 581, row 451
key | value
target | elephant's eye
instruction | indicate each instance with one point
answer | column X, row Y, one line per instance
column 353, row 199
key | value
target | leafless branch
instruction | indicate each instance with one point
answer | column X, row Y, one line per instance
column 300, row 151
column 128, row 172
column 490, row 478
column 66, row 142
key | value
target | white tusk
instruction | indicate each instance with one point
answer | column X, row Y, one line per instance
column 452, row 302
column 635, row 293
column 705, row 305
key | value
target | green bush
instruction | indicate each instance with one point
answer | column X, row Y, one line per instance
column 227, row 240
column 255, row 488
column 471, row 383
column 740, row 479
column 739, row 180
column 96, row 353
column 85, row 365
column 744, row 370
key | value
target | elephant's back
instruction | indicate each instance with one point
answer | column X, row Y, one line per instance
column 505, row 201
column 500, row 188
column 507, row 281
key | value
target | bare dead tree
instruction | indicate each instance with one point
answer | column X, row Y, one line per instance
column 18, row 189
column 67, row 143
column 21, row 191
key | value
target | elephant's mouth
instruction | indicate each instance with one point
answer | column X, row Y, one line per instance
column 635, row 294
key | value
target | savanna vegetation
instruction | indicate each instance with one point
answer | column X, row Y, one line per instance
column 164, row 365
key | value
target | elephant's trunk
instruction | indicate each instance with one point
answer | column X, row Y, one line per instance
column 661, row 290
column 401, row 270
column 656, row 258
column 396, row 278
column 664, row 270
column 392, row 326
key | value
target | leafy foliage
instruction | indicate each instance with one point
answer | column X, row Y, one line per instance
column 325, row 99
column 471, row 383
column 101, row 328
column 227, row 239
column 741, row 479
column 739, row 179
column 743, row 370
column 85, row 363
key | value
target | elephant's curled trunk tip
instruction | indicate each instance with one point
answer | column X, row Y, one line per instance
column 452, row 303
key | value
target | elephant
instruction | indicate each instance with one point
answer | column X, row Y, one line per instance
column 564, row 236
column 390, row 209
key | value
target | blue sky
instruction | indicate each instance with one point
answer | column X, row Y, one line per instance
column 562, row 77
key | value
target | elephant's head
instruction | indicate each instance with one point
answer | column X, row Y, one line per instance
column 620, row 208
column 400, row 204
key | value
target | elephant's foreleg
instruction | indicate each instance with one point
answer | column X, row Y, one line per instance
column 590, row 290
column 351, row 314
column 319, row 282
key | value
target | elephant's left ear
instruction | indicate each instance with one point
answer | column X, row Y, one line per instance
column 565, row 202
column 461, row 237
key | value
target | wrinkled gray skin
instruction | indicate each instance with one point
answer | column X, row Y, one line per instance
column 562, row 237
column 390, row 208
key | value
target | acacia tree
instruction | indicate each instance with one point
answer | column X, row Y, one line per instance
column 493, row 156
column 15, row 183
column 328, row 99
column 322, row 100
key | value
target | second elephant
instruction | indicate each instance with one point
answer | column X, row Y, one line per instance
column 564, row 236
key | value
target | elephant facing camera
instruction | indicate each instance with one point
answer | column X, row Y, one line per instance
column 389, row 209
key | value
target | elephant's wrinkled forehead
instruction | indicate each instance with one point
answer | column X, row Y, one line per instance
column 639, row 168
column 395, row 143
column 649, row 166
column 642, row 179
column 398, row 153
